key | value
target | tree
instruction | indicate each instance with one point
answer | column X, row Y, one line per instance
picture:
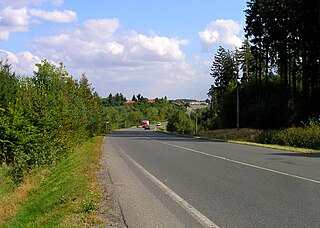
column 224, row 70
column 246, row 61
column 285, row 36
column 180, row 122
column 43, row 117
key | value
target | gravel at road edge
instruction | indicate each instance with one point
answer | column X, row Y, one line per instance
column 110, row 209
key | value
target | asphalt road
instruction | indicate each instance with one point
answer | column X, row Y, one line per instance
column 169, row 181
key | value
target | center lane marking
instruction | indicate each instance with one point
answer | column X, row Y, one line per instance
column 238, row 162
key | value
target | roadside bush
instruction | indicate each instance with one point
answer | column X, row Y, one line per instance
column 243, row 134
column 43, row 117
column 300, row 137
column 303, row 137
column 180, row 122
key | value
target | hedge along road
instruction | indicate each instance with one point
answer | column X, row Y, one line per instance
column 169, row 181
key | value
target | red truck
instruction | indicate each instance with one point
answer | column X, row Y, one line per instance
column 145, row 124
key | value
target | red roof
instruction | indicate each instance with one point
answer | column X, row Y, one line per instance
column 129, row 102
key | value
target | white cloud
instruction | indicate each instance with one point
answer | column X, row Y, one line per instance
column 57, row 3
column 65, row 16
column 13, row 20
column 122, row 61
column 155, row 48
column 98, row 29
column 22, row 63
column 96, row 43
column 21, row 3
column 18, row 19
column 221, row 33
column 115, row 48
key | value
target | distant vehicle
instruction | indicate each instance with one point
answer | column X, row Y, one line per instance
column 159, row 124
column 147, row 127
column 145, row 123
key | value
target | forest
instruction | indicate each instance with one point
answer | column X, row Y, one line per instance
column 276, row 72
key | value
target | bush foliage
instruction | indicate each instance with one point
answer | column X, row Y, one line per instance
column 43, row 116
column 302, row 137
column 299, row 137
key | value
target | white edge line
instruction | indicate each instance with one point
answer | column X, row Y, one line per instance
column 241, row 163
column 178, row 199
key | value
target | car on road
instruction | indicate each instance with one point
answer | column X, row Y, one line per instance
column 145, row 123
column 147, row 127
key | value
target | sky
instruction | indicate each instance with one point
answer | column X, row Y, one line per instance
column 153, row 48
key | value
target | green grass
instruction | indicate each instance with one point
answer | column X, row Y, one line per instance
column 63, row 197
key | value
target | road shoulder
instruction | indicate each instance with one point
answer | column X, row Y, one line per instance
column 139, row 207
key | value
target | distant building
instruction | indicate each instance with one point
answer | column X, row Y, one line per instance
column 128, row 102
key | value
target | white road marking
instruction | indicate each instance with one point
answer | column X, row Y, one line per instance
column 202, row 219
column 239, row 162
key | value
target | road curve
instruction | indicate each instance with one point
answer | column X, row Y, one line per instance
column 169, row 181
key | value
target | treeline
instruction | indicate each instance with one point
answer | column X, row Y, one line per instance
column 120, row 115
column 276, row 72
column 43, row 117
column 285, row 36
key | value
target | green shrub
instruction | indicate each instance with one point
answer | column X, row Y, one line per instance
column 300, row 137
column 180, row 122
column 303, row 137
column 43, row 117
column 243, row 134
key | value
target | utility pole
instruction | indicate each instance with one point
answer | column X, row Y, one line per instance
column 238, row 124
column 237, row 85
column 196, row 123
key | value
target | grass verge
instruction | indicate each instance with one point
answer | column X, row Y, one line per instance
column 12, row 197
column 279, row 147
column 68, row 196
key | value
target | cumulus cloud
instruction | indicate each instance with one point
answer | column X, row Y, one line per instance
column 22, row 63
column 57, row 2
column 120, row 61
column 96, row 43
column 222, row 33
column 114, row 48
column 65, row 16
column 13, row 20
column 21, row 3
column 98, row 30
column 153, row 48
column 17, row 19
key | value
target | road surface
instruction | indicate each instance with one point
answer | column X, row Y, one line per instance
column 168, row 181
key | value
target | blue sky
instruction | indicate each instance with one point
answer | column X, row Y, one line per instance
column 155, row 48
